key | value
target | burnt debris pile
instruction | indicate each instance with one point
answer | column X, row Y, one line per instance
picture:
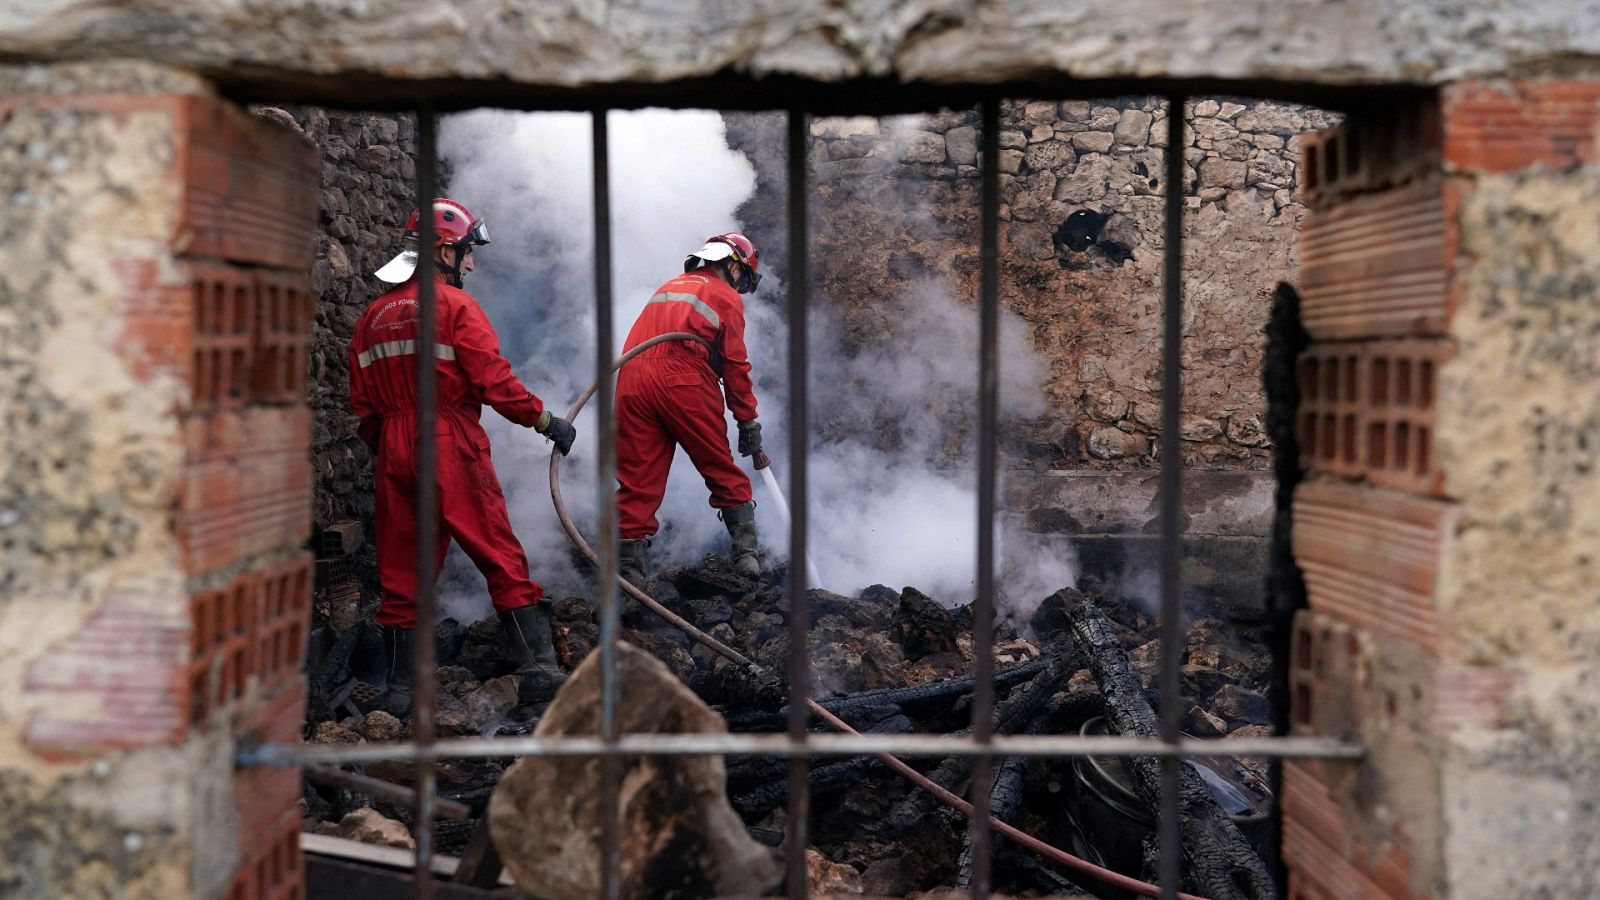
column 886, row 661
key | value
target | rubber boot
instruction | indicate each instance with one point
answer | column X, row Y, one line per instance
column 539, row 675
column 741, row 522
column 631, row 564
column 399, row 648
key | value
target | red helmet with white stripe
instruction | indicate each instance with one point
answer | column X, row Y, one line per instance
column 730, row 245
column 453, row 226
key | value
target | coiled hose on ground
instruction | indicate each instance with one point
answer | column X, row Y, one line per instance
column 1115, row 879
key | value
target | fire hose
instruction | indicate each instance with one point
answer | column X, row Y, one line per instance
column 1115, row 879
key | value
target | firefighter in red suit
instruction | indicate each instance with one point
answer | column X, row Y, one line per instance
column 670, row 396
column 472, row 510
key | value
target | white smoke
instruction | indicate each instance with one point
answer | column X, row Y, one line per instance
column 898, row 515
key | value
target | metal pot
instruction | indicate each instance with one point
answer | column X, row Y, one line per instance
column 1116, row 822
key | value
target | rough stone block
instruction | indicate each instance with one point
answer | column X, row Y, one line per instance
column 676, row 824
column 923, row 147
column 1092, row 141
column 1049, row 156
column 1223, row 173
column 1133, row 128
column 961, row 145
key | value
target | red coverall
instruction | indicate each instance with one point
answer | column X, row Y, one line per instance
column 472, row 510
column 668, row 396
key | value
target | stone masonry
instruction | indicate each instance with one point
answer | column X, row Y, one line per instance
column 368, row 179
column 895, row 206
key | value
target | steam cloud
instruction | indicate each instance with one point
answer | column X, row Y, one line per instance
column 899, row 515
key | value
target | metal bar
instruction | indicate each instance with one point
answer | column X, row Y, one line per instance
column 425, row 684
column 1171, row 559
column 798, row 424
column 1061, row 745
column 988, row 462
column 605, row 481
column 383, row 790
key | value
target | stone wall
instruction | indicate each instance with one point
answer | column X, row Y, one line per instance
column 369, row 178
column 895, row 209
column 895, row 204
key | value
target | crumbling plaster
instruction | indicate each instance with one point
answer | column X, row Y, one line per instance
column 90, row 460
column 1519, row 431
column 91, row 450
column 591, row 42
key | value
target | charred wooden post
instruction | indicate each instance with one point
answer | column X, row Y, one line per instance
column 1218, row 861
column 1005, row 797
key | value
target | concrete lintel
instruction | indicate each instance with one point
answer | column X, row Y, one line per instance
column 379, row 52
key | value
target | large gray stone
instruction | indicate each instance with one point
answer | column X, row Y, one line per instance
column 923, row 147
column 679, row 835
column 1133, row 128
column 961, row 144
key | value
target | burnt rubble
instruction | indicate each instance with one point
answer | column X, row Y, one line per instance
column 886, row 661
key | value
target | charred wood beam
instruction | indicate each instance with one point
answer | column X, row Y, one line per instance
column 1018, row 707
column 1218, row 861
column 823, row 780
column 331, row 776
column 934, row 691
column 767, row 778
column 743, row 718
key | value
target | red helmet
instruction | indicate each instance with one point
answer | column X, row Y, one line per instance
column 453, row 226
column 730, row 245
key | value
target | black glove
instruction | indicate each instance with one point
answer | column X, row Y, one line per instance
column 749, row 438
column 559, row 430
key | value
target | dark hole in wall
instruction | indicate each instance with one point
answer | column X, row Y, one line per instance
column 1086, row 229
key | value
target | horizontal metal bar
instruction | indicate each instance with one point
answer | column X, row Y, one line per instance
column 937, row 745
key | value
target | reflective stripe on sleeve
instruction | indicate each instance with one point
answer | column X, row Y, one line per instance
column 401, row 348
column 700, row 306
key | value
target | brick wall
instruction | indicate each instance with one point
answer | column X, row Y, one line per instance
column 1381, row 655
column 244, row 516
column 199, row 644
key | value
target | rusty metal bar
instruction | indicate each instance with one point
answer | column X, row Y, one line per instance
column 799, row 413
column 924, row 745
column 605, row 490
column 1171, row 558
column 383, row 790
column 425, row 685
column 988, row 462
